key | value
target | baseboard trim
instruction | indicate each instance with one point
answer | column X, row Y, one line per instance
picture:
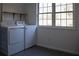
column 59, row 49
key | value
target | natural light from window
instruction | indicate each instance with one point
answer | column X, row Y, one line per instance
column 64, row 15
column 45, row 14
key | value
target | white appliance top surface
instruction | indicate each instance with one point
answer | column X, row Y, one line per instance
column 11, row 25
column 30, row 25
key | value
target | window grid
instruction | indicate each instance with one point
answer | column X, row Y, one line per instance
column 60, row 12
column 45, row 21
column 64, row 11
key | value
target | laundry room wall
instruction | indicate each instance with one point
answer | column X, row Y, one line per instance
column 31, row 13
column 61, row 39
column 13, row 11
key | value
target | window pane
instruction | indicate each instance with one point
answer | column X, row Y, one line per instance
column 44, row 16
column 45, row 4
column 57, row 8
column 40, row 16
column 44, row 22
column 63, row 16
column 63, row 22
column 49, row 16
column 49, row 4
column 40, row 10
column 40, row 22
column 45, row 9
column 57, row 16
column 57, row 23
column 40, row 4
column 63, row 8
column 69, row 16
column 69, row 7
column 70, row 23
column 49, row 9
column 69, row 3
column 49, row 22
column 57, row 4
column 63, row 3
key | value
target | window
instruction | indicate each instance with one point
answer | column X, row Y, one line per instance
column 45, row 14
column 63, row 14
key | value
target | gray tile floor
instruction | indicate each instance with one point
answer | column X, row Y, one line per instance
column 40, row 51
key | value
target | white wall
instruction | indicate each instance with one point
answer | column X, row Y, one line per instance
column 61, row 39
column 13, row 7
column 14, row 11
column 27, row 8
column 30, row 9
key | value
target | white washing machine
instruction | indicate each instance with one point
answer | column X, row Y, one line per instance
column 30, row 36
column 12, row 38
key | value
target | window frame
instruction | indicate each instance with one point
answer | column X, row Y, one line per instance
column 74, row 21
column 53, row 19
column 43, row 13
column 60, row 12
